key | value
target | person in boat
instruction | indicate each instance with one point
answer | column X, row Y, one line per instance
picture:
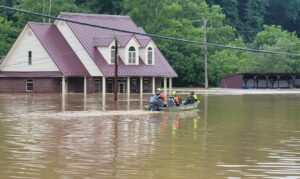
column 175, row 101
column 191, row 99
column 157, row 100
column 162, row 96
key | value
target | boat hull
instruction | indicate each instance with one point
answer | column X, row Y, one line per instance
column 187, row 107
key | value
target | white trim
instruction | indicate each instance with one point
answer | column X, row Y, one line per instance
column 103, row 85
column 170, row 86
column 165, row 85
column 84, row 85
column 153, row 85
column 78, row 48
column 27, row 86
column 17, row 57
column 131, row 43
column 144, row 53
column 141, row 85
column 128, row 85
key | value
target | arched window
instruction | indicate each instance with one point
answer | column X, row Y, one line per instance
column 150, row 56
column 131, row 55
column 29, row 86
column 112, row 54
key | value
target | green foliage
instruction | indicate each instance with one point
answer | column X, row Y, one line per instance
column 100, row 6
column 182, row 19
column 8, row 34
column 227, row 61
column 230, row 22
column 274, row 38
column 43, row 6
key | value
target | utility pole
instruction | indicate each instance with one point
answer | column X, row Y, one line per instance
column 44, row 20
column 50, row 6
column 116, row 71
column 205, row 50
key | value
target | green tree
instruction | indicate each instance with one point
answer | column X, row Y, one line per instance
column 228, row 61
column 285, row 14
column 8, row 33
column 274, row 38
column 101, row 6
column 177, row 19
column 45, row 7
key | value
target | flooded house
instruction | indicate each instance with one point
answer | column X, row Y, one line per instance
column 69, row 57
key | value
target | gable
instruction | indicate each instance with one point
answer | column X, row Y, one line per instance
column 78, row 47
column 17, row 58
column 86, row 34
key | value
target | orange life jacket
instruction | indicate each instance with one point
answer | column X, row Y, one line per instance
column 162, row 96
column 176, row 99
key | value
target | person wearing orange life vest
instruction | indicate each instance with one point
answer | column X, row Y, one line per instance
column 175, row 98
column 161, row 95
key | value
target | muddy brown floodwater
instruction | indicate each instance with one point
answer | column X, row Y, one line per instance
column 231, row 136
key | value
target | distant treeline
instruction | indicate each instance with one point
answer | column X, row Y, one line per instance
column 261, row 24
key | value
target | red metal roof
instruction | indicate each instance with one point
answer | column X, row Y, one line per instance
column 58, row 49
column 86, row 36
column 36, row 74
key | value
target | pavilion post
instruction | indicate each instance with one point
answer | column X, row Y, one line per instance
column 153, row 85
column 116, row 71
column 170, row 86
column 141, row 85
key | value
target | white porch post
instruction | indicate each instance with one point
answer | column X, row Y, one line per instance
column 63, row 85
column 103, row 86
column 153, row 85
column 170, row 86
column 84, row 85
column 165, row 85
column 63, row 92
column 128, row 85
column 141, row 85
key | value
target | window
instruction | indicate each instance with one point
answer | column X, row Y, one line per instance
column 150, row 56
column 29, row 58
column 112, row 54
column 131, row 55
column 29, row 85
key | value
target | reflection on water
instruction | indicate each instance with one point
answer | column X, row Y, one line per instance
column 47, row 136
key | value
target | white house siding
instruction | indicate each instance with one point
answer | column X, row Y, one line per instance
column 144, row 52
column 132, row 43
column 80, row 51
column 17, row 58
column 121, row 52
column 105, row 51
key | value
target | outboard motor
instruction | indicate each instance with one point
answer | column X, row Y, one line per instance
column 155, row 102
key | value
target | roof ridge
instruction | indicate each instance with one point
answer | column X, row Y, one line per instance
column 87, row 14
column 40, row 23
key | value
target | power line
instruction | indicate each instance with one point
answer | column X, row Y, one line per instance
column 41, row 59
column 152, row 35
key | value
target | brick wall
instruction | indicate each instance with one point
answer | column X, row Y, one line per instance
column 40, row 85
column 234, row 81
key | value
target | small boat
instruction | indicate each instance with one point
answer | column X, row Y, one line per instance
column 182, row 107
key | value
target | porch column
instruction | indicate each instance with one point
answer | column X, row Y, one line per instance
column 170, row 86
column 278, row 79
column 128, row 85
column 103, row 85
column 63, row 85
column 153, row 85
column 84, row 85
column 141, row 85
column 165, row 85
